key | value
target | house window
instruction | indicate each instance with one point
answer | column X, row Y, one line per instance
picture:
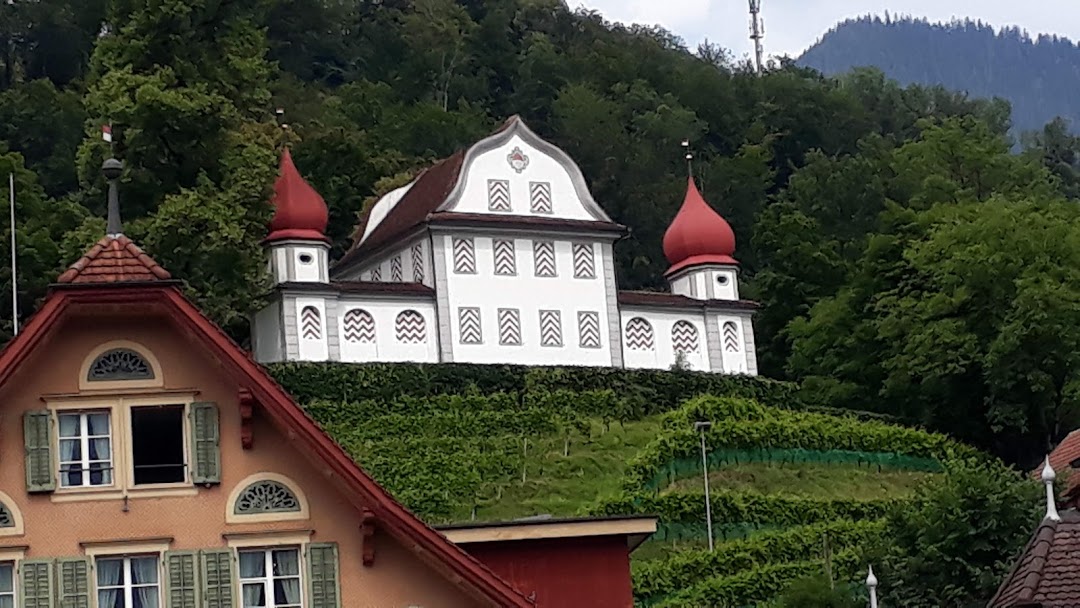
column 120, row 364
column 128, row 582
column 7, row 585
column 270, row 578
column 157, row 444
column 85, row 450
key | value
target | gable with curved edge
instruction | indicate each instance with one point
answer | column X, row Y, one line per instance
column 516, row 164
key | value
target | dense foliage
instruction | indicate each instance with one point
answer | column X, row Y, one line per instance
column 1036, row 75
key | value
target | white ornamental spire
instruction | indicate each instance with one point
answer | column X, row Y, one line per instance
column 1048, row 477
column 871, row 584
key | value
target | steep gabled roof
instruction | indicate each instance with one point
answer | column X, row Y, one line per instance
column 1061, row 459
column 114, row 259
column 283, row 412
column 436, row 191
column 1047, row 574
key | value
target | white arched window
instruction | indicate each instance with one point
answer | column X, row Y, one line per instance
column 639, row 335
column 410, row 327
column 684, row 337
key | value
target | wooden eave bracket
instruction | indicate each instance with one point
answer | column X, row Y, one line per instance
column 247, row 415
column 367, row 531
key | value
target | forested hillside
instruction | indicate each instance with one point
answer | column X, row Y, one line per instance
column 1039, row 76
column 906, row 261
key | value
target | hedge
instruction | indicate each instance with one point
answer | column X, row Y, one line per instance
column 756, row 585
column 683, row 570
column 647, row 391
column 742, row 424
column 738, row 506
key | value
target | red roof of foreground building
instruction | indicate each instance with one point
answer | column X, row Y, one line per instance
column 698, row 235
column 299, row 211
column 114, row 259
column 1047, row 575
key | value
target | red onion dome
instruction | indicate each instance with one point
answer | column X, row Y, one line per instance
column 299, row 211
column 698, row 235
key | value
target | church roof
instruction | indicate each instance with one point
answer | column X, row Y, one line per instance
column 299, row 211
column 114, row 259
column 1047, row 574
column 425, row 200
column 698, row 234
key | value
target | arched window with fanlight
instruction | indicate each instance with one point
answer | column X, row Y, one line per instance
column 119, row 364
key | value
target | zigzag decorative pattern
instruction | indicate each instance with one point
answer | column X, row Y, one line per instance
column 498, row 195
column 310, row 323
column 550, row 328
column 509, row 327
column 584, row 261
column 589, row 329
column 396, row 274
column 469, row 325
column 505, row 260
column 544, row 258
column 639, row 335
column 731, row 337
column 540, row 197
column 464, row 256
column 409, row 327
column 684, row 337
column 376, row 274
column 359, row 326
column 418, row 263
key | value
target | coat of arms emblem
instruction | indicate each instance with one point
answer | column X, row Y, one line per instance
column 517, row 159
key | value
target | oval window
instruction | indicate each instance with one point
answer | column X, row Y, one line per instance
column 306, row 258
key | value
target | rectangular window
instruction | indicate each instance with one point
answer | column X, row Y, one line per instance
column 128, row 582
column 270, row 578
column 157, row 444
column 7, row 585
column 544, row 258
column 85, row 450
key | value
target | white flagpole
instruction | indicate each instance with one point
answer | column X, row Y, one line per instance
column 14, row 275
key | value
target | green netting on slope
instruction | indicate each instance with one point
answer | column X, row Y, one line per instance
column 683, row 468
column 674, row 532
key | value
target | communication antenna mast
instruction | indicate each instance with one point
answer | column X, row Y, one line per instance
column 757, row 33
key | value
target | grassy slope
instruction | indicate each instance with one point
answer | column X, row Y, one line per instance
column 823, row 481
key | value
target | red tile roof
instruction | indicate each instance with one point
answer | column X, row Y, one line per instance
column 1047, row 575
column 1065, row 453
column 114, row 260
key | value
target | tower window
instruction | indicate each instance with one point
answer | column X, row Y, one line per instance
column 306, row 258
column 157, row 444
column 722, row 279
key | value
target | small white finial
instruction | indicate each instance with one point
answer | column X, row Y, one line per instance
column 1048, row 477
column 871, row 584
column 1048, row 473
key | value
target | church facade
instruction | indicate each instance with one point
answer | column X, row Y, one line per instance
column 498, row 254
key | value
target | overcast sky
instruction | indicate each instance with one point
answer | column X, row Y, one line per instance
column 793, row 25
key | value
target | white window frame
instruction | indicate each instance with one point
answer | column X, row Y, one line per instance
column 14, row 593
column 127, row 585
column 84, row 438
column 268, row 578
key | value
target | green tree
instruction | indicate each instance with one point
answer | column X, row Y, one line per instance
column 952, row 545
column 185, row 85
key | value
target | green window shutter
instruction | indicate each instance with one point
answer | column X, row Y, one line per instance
column 37, row 439
column 181, row 579
column 322, row 570
column 217, row 578
column 205, row 443
column 73, row 583
column 36, row 583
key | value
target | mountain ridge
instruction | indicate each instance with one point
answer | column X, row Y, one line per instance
column 1038, row 75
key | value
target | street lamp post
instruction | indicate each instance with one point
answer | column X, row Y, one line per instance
column 701, row 427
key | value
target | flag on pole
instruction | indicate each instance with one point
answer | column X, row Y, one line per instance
column 106, row 133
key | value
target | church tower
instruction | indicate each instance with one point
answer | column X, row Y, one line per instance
column 297, row 244
column 699, row 245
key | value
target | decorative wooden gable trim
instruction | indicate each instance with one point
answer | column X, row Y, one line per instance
column 247, row 415
column 367, row 531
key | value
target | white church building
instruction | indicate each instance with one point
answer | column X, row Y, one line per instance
column 498, row 254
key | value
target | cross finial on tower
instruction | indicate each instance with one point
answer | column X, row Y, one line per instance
column 689, row 158
column 112, row 169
